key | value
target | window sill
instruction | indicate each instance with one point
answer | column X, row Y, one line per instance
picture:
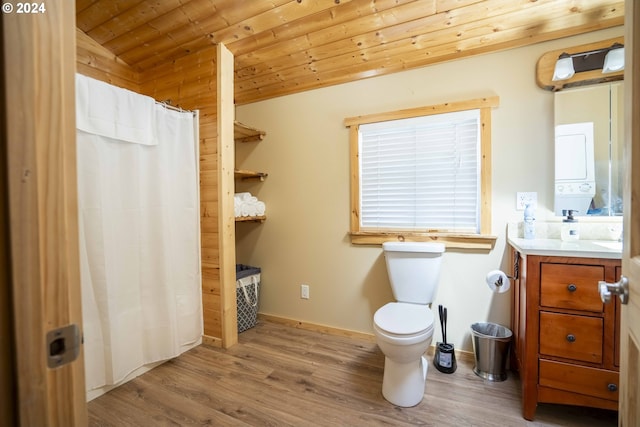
column 451, row 241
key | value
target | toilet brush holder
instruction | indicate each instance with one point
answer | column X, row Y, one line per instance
column 444, row 358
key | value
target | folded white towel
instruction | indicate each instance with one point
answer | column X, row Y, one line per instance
column 242, row 196
column 244, row 210
column 244, row 204
column 251, row 209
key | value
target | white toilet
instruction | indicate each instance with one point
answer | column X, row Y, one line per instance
column 404, row 329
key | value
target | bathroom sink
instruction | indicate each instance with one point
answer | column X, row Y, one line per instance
column 616, row 246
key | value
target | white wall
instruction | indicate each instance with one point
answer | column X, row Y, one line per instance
column 305, row 237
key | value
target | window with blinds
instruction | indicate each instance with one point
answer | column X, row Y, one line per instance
column 421, row 173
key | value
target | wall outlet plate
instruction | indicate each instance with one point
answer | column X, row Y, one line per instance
column 526, row 198
column 304, row 291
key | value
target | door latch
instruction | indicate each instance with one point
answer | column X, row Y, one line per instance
column 63, row 345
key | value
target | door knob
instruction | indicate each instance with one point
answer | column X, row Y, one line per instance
column 620, row 288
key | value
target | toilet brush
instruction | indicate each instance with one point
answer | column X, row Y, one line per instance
column 445, row 356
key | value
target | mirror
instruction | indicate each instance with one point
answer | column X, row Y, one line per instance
column 589, row 131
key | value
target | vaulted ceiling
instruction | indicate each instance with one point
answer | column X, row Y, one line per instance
column 288, row 46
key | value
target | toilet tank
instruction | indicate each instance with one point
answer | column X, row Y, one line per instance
column 414, row 270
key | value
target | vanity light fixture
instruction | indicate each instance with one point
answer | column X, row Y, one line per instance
column 564, row 67
column 614, row 61
column 609, row 59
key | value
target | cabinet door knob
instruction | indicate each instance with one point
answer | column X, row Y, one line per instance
column 612, row 387
column 572, row 287
column 571, row 338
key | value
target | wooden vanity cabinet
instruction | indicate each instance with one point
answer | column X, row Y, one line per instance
column 565, row 339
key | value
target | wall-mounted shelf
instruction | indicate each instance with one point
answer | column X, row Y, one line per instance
column 251, row 218
column 247, row 175
column 244, row 133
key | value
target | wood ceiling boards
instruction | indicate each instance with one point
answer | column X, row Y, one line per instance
column 288, row 46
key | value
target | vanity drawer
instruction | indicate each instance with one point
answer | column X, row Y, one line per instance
column 571, row 286
column 571, row 336
column 579, row 379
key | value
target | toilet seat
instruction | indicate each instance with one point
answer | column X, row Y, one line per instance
column 404, row 320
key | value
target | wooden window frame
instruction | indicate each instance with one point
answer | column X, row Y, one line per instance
column 483, row 240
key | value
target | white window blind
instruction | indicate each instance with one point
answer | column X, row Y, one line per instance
column 421, row 173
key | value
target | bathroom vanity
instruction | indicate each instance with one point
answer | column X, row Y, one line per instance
column 565, row 338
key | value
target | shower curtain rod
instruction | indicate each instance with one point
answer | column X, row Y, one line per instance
column 171, row 107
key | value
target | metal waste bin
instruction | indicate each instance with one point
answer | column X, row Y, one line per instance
column 491, row 344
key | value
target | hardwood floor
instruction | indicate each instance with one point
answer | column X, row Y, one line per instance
column 283, row 376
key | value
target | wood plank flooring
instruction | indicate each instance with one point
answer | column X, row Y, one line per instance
column 283, row 376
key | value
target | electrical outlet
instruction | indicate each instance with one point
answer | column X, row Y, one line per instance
column 526, row 198
column 304, row 291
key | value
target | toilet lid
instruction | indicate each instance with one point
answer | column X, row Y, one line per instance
column 403, row 319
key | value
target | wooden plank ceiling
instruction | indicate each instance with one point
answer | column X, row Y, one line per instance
column 288, row 46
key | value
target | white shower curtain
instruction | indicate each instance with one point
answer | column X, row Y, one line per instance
column 139, row 231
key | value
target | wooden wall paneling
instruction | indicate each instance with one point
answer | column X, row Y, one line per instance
column 158, row 27
column 98, row 12
column 187, row 83
column 39, row 63
column 93, row 60
column 8, row 401
column 393, row 29
column 210, row 130
column 83, row 4
column 171, row 97
column 209, row 189
column 226, row 189
column 210, row 250
column 212, row 316
column 485, row 168
column 139, row 55
column 211, row 303
column 365, row 32
column 190, row 38
column 174, row 73
column 302, row 13
column 402, row 55
column 324, row 37
column 181, row 74
column 209, row 163
column 260, row 43
column 134, row 17
column 210, row 112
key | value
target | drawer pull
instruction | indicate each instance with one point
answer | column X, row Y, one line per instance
column 571, row 338
column 612, row 387
column 572, row 287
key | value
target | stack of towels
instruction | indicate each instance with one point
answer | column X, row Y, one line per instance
column 244, row 204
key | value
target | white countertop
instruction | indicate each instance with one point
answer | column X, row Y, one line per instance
column 557, row 247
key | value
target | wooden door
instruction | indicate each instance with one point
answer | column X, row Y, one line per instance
column 630, row 318
column 38, row 64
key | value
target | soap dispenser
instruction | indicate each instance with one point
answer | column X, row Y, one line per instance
column 529, row 223
column 569, row 229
